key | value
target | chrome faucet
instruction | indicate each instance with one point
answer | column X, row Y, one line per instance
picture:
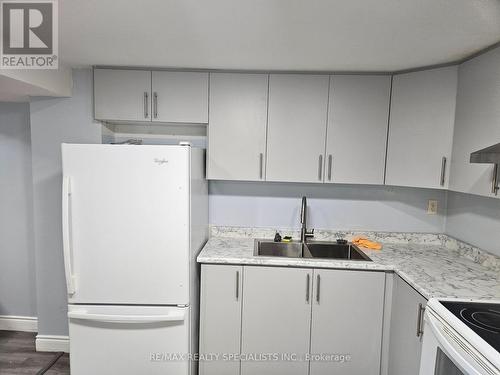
column 304, row 233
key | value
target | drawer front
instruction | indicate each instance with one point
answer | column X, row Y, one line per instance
column 128, row 340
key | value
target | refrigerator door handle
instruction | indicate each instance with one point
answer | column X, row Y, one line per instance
column 66, row 193
column 127, row 319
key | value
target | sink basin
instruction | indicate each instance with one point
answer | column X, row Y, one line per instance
column 321, row 250
column 332, row 250
column 278, row 249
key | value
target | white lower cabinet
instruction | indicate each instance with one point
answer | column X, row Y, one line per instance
column 291, row 320
column 347, row 320
column 276, row 320
column 406, row 333
column 220, row 323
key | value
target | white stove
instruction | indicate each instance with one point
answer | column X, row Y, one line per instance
column 461, row 337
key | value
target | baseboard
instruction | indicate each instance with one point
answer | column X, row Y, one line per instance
column 51, row 343
column 18, row 323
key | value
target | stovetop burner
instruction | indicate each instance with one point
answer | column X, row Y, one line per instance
column 482, row 318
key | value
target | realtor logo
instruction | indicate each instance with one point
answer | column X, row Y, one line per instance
column 29, row 34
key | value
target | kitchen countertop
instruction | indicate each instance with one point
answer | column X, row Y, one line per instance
column 435, row 265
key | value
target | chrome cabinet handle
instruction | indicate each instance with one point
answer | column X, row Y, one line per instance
column 155, row 105
column 330, row 162
column 237, row 285
column 308, row 280
column 261, row 165
column 318, row 282
column 443, row 171
column 420, row 316
column 494, row 181
column 146, row 104
column 320, row 167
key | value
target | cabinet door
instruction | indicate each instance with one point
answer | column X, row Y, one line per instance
column 180, row 97
column 421, row 128
column 347, row 315
column 237, row 126
column 123, row 95
column 298, row 106
column 477, row 122
column 220, row 318
column 405, row 346
column 357, row 129
column 276, row 320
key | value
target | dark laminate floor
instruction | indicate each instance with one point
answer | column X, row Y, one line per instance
column 18, row 356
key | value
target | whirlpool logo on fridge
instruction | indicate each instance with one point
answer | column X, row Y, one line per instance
column 29, row 34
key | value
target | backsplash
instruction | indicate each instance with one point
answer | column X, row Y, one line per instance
column 346, row 207
column 431, row 239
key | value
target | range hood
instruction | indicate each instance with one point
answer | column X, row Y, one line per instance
column 489, row 155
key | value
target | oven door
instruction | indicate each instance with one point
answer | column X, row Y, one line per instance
column 445, row 353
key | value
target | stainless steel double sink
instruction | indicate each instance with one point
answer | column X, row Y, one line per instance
column 310, row 249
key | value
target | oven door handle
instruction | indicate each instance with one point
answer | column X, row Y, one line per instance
column 445, row 343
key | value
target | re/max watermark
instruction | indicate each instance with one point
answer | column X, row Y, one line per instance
column 250, row 357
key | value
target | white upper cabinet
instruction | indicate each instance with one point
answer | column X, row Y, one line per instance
column 358, row 117
column 180, row 97
column 237, row 126
column 297, row 116
column 477, row 122
column 142, row 95
column 122, row 95
column 421, row 128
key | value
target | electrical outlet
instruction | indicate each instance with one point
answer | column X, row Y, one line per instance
column 432, row 207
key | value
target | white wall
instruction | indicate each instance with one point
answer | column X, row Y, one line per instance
column 17, row 266
column 54, row 121
column 475, row 220
column 340, row 207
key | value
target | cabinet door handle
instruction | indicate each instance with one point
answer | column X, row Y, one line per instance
column 237, row 285
column 330, row 162
column 494, row 181
column 318, row 283
column 420, row 316
column 443, row 171
column 308, row 281
column 155, row 105
column 261, row 165
column 146, row 104
column 320, row 167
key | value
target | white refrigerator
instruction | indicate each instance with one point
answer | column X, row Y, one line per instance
column 134, row 220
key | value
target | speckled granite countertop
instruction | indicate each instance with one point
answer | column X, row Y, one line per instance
column 435, row 265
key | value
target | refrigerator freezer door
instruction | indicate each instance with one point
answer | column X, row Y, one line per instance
column 126, row 224
column 128, row 340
